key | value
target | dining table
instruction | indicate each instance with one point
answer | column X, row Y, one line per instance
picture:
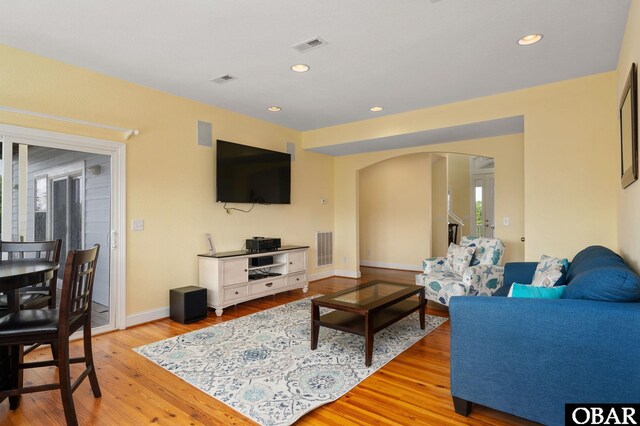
column 14, row 275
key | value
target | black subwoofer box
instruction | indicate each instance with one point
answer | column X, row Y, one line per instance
column 188, row 304
column 262, row 261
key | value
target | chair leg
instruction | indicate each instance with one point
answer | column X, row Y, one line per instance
column 54, row 350
column 88, row 356
column 64, row 373
column 16, row 375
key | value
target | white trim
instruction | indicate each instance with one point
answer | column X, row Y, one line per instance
column 148, row 316
column 119, row 226
column 403, row 267
column 117, row 152
column 321, row 275
column 348, row 274
column 127, row 132
column 58, row 140
column 7, row 188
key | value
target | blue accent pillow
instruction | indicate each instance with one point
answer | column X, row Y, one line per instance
column 616, row 283
column 537, row 292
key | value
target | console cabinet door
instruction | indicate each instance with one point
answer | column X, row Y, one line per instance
column 297, row 261
column 235, row 271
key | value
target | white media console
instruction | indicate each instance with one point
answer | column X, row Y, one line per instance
column 226, row 275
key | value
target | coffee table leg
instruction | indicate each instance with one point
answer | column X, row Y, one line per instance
column 368, row 339
column 315, row 326
column 422, row 304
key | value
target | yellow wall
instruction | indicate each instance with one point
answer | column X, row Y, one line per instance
column 562, row 171
column 459, row 184
column 508, row 152
column 629, row 198
column 570, row 160
column 395, row 218
column 170, row 179
column 439, row 184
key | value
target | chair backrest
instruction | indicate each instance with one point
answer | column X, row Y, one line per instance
column 48, row 250
column 77, row 286
column 489, row 251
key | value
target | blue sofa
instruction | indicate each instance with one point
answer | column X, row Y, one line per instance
column 530, row 357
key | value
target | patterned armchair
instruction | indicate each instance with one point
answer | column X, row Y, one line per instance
column 482, row 277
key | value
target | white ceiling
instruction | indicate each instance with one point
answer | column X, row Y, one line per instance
column 402, row 54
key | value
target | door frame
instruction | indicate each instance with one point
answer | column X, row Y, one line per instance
column 484, row 175
column 117, row 151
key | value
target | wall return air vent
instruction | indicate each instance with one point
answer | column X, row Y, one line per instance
column 309, row 44
column 224, row 79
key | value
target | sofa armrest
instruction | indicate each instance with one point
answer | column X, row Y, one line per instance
column 530, row 357
column 483, row 280
column 432, row 264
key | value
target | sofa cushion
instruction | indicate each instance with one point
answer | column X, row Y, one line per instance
column 549, row 272
column 616, row 283
column 458, row 258
column 489, row 251
column 440, row 286
column 591, row 258
column 538, row 292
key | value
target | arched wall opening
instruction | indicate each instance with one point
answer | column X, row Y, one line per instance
column 508, row 152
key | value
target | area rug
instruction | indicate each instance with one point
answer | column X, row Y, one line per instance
column 262, row 366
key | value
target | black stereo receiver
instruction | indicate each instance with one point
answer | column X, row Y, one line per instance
column 257, row 244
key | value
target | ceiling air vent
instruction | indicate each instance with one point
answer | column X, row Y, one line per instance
column 224, row 78
column 310, row 44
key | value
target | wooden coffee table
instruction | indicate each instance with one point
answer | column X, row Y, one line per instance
column 366, row 309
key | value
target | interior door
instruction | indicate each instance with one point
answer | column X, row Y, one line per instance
column 482, row 206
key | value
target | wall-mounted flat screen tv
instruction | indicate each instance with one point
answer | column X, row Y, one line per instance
column 246, row 174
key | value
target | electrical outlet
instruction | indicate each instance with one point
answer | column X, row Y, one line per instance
column 137, row 225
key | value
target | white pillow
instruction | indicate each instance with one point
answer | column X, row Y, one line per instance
column 548, row 271
column 458, row 258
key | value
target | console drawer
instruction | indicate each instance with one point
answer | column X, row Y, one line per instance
column 232, row 293
column 296, row 279
column 264, row 286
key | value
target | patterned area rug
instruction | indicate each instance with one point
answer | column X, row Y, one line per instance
column 262, row 366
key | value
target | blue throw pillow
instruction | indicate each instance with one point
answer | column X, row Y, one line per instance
column 615, row 283
column 537, row 292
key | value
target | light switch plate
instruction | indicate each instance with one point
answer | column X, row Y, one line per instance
column 505, row 221
column 137, row 225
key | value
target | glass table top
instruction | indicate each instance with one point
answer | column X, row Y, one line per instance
column 369, row 294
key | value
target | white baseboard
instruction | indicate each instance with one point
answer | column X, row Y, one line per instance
column 147, row 316
column 348, row 274
column 400, row 266
column 321, row 275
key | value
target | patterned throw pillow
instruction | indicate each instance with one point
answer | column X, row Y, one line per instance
column 458, row 258
column 548, row 271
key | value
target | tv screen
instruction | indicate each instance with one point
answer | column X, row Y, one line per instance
column 246, row 174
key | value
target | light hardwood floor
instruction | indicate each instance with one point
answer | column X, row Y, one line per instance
column 413, row 389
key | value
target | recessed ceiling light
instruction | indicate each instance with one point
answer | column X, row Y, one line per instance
column 300, row 68
column 530, row 39
column 376, row 109
column 274, row 108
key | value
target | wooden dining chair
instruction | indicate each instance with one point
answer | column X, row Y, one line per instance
column 41, row 295
column 55, row 326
